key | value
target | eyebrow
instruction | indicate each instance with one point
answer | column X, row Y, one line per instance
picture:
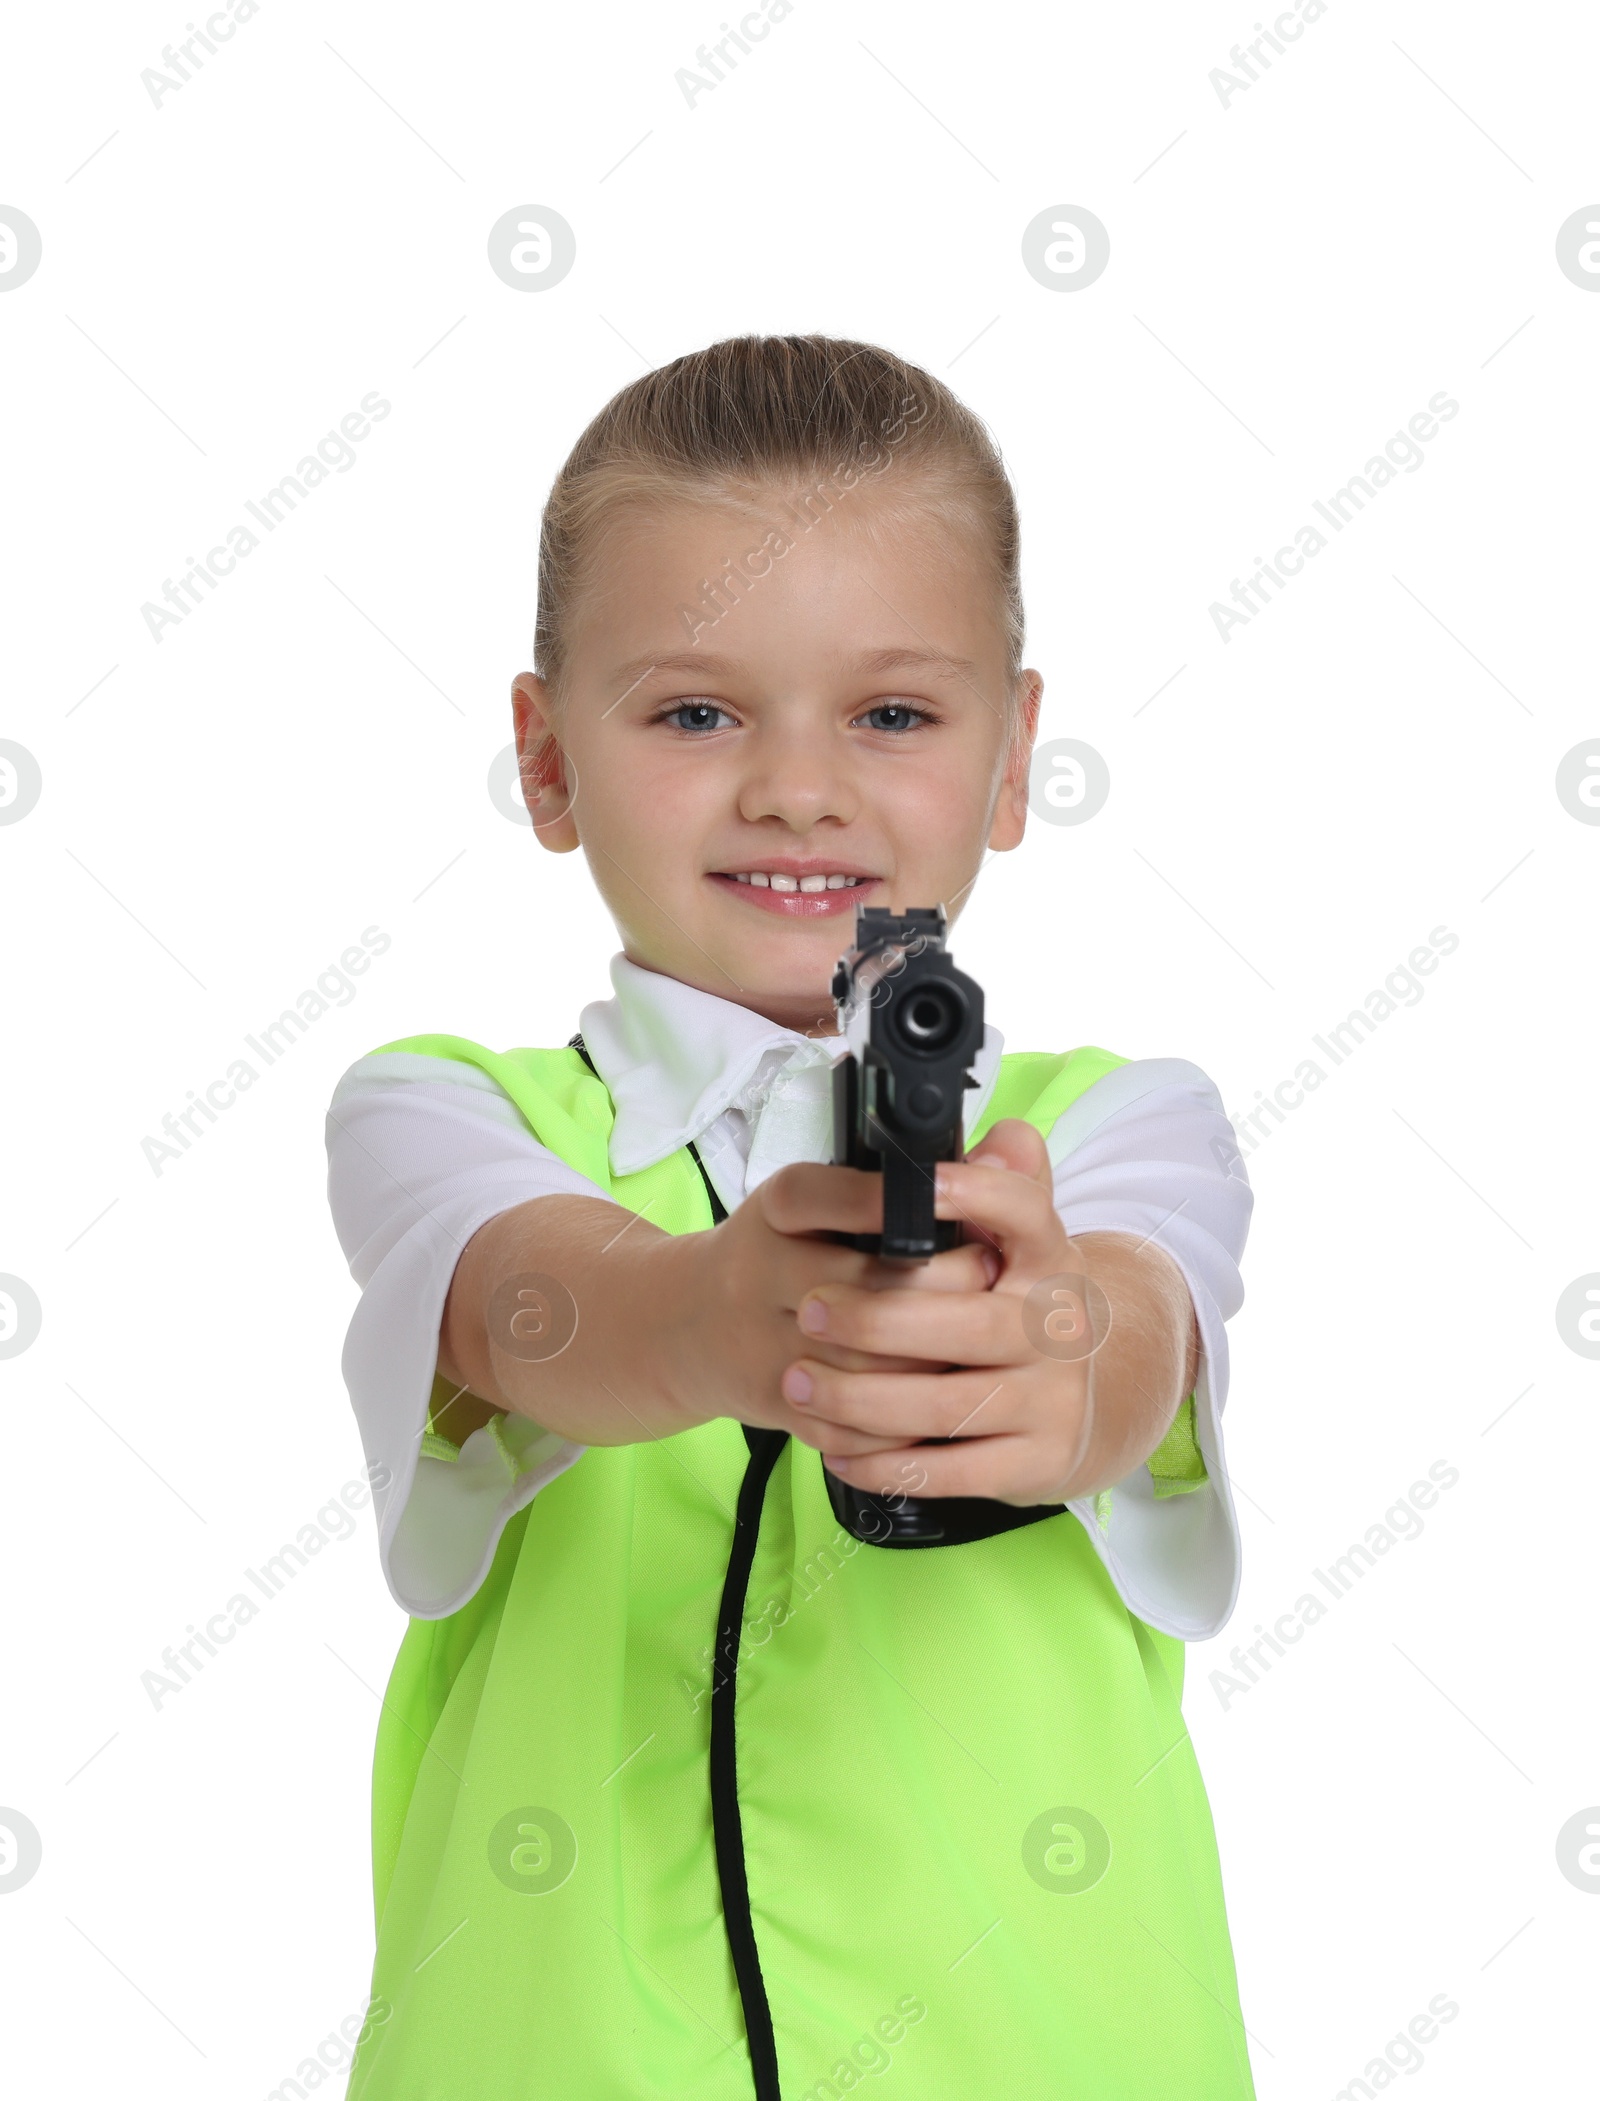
column 872, row 662
column 914, row 660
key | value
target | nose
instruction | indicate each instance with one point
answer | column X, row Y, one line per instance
column 799, row 772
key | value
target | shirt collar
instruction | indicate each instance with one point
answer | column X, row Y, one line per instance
column 674, row 1058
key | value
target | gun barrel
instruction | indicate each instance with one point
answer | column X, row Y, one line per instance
column 913, row 1024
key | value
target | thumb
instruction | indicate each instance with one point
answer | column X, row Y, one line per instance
column 1017, row 1145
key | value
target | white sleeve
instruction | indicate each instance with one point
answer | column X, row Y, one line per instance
column 422, row 1152
column 1149, row 1150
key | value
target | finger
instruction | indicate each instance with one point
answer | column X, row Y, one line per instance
column 805, row 1428
column 1016, row 1211
column 804, row 1199
column 905, row 1404
column 1017, row 1145
column 973, row 1266
column 864, row 1360
column 807, row 1198
column 803, row 1264
column 1004, row 1468
column 967, row 1327
column 783, row 1342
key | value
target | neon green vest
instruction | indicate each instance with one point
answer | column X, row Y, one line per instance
column 699, row 1796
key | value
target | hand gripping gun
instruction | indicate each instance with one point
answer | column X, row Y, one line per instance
column 913, row 1025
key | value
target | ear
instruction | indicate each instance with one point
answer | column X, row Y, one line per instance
column 549, row 784
column 1011, row 810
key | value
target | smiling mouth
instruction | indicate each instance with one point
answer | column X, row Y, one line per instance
column 795, row 893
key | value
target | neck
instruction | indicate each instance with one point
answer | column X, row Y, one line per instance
column 807, row 1013
column 801, row 1015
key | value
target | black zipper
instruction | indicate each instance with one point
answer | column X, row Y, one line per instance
column 727, row 1828
column 726, row 1825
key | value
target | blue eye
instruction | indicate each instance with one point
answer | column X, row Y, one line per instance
column 696, row 708
column 693, row 718
column 909, row 716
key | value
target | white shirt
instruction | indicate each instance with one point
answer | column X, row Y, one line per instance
column 422, row 1151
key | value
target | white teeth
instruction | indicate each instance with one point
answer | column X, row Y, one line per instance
column 808, row 883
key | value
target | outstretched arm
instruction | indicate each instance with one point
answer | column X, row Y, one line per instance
column 669, row 1330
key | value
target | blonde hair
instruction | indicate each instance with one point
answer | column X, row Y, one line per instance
column 812, row 413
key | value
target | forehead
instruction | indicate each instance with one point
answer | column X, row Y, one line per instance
column 881, row 577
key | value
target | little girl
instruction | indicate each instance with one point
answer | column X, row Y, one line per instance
column 680, row 1787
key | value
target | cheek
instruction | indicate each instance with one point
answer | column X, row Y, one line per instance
column 939, row 806
column 644, row 804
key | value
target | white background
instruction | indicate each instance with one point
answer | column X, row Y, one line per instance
column 305, row 756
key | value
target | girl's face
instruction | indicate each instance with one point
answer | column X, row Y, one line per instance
column 844, row 714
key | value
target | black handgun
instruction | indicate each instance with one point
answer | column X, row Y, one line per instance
column 913, row 1024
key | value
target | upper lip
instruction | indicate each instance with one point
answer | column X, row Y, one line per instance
column 790, row 866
